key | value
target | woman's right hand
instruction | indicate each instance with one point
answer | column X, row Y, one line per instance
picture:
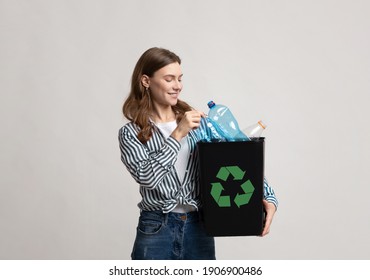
column 190, row 120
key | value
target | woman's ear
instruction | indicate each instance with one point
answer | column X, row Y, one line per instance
column 145, row 81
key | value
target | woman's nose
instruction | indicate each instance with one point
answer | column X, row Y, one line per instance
column 178, row 85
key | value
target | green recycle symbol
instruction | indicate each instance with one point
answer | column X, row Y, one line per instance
column 217, row 188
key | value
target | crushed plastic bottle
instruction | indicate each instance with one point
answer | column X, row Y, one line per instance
column 222, row 116
column 210, row 132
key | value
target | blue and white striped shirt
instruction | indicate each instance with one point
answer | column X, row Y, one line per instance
column 152, row 166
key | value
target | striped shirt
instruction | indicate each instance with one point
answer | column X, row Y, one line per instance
column 152, row 166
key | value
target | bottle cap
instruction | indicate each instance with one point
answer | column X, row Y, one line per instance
column 210, row 104
column 261, row 124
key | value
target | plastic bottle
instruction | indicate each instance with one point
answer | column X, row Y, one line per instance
column 210, row 132
column 255, row 130
column 225, row 120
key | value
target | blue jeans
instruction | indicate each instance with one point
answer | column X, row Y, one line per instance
column 172, row 236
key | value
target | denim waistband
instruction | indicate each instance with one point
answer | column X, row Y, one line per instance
column 188, row 217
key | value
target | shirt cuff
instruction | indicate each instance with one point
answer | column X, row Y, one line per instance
column 173, row 144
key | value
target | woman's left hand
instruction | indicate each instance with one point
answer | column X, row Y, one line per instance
column 270, row 211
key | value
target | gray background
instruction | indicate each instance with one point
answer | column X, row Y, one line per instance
column 301, row 66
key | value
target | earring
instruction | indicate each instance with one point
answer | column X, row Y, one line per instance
column 148, row 93
column 145, row 91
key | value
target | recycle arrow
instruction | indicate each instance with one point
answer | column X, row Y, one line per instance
column 222, row 201
column 242, row 199
column 225, row 171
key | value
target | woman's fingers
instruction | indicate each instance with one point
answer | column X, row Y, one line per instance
column 191, row 120
column 194, row 118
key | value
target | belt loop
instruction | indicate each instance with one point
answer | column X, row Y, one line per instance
column 165, row 218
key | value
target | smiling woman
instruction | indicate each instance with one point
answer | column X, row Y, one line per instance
column 157, row 147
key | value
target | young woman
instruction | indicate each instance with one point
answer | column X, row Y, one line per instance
column 158, row 149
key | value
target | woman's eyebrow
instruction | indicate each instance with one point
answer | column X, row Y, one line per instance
column 172, row 75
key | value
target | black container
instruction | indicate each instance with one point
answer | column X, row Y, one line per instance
column 231, row 175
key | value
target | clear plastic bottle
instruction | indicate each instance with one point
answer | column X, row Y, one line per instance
column 225, row 120
column 255, row 130
column 210, row 132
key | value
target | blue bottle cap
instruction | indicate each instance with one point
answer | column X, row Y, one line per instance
column 210, row 104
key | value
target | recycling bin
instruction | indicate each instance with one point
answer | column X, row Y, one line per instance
column 231, row 186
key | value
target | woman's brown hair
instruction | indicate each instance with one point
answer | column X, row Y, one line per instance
column 138, row 105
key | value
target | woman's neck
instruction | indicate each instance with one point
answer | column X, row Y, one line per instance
column 162, row 116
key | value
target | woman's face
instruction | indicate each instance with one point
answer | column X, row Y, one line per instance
column 165, row 85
